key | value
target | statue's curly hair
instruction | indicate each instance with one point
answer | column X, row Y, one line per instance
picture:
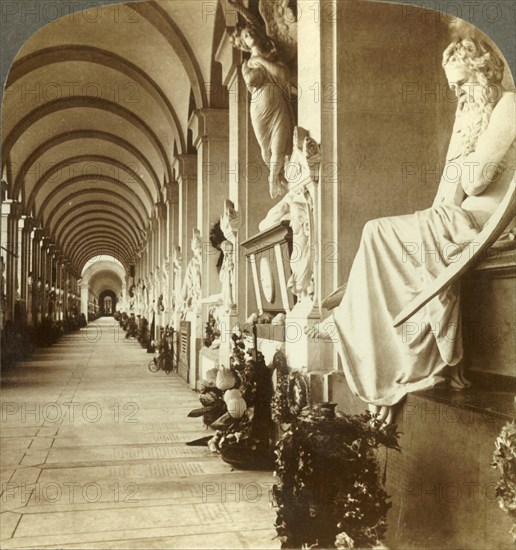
column 265, row 44
column 478, row 56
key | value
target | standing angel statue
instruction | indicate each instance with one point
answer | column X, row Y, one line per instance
column 267, row 77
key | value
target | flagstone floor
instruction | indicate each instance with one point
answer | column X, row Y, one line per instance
column 93, row 455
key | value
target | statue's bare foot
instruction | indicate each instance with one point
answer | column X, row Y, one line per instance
column 382, row 414
column 317, row 331
column 277, row 187
column 458, row 380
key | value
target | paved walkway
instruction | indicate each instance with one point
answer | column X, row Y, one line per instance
column 93, row 455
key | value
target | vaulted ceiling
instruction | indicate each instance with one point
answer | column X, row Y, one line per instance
column 96, row 106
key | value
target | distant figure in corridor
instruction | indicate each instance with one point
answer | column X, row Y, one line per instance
column 399, row 256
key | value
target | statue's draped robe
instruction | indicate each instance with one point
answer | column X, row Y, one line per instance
column 397, row 258
column 271, row 113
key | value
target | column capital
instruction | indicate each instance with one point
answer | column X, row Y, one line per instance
column 229, row 57
column 172, row 192
column 185, row 167
column 153, row 224
column 11, row 208
column 27, row 223
column 160, row 209
column 209, row 123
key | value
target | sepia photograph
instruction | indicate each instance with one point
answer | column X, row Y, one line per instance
column 258, row 274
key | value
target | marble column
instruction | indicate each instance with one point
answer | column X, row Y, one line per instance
column 27, row 287
column 185, row 170
column 317, row 113
column 45, row 277
column 27, row 225
column 37, row 277
column 160, row 210
column 172, row 240
column 210, row 131
column 85, row 296
column 10, row 212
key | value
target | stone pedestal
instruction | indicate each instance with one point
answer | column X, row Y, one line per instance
column 208, row 359
column 183, row 344
column 268, row 254
column 196, row 335
column 336, row 389
column 300, row 351
column 489, row 316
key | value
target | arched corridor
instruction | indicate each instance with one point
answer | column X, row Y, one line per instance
column 303, row 212
column 93, row 455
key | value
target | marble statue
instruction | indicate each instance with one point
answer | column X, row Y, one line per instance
column 382, row 362
column 150, row 294
column 177, row 284
column 229, row 227
column 301, row 282
column 301, row 172
column 145, row 299
column 191, row 290
column 267, row 78
column 138, row 298
column 165, row 290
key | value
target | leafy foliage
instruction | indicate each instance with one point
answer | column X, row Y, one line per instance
column 290, row 398
column 504, row 460
column 330, row 493
column 211, row 332
column 253, row 429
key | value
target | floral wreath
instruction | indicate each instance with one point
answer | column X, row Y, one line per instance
column 330, row 492
column 290, row 398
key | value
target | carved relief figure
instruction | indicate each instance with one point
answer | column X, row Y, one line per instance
column 267, row 77
column 191, row 291
column 165, row 286
column 177, row 284
column 150, row 294
column 145, row 299
column 383, row 363
column 229, row 227
column 302, row 172
column 227, row 276
column 157, row 293
column 300, row 282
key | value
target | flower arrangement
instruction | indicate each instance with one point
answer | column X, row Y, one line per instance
column 330, row 494
column 244, row 435
column 211, row 332
column 164, row 351
column 143, row 333
column 504, row 460
column 131, row 327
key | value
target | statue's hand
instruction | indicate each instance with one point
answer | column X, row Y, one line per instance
column 255, row 62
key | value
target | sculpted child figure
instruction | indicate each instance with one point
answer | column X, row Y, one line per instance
column 383, row 363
